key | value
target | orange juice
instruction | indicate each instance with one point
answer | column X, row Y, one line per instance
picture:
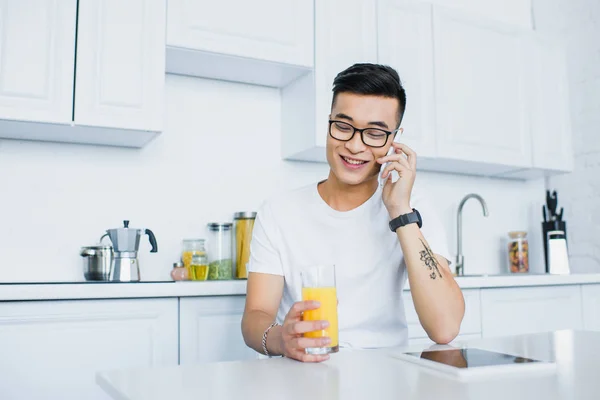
column 327, row 296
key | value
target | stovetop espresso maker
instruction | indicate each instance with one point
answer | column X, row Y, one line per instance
column 125, row 266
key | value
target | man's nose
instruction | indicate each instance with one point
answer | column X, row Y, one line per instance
column 355, row 145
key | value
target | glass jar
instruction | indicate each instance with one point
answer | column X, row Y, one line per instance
column 179, row 272
column 518, row 252
column 220, row 255
column 243, row 223
column 190, row 248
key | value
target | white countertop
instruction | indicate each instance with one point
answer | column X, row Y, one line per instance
column 373, row 374
column 110, row 290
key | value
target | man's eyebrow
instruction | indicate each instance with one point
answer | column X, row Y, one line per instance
column 376, row 123
column 344, row 116
column 380, row 124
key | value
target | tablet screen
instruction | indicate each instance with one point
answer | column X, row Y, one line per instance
column 471, row 358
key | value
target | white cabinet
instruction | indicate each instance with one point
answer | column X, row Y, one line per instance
column 211, row 330
column 53, row 349
column 71, row 69
column 507, row 12
column 37, row 59
column 513, row 311
column 120, row 64
column 591, row 307
column 406, row 44
column 341, row 39
column 273, row 30
column 207, row 39
column 480, row 92
column 469, row 328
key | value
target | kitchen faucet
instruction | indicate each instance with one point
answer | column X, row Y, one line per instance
column 460, row 260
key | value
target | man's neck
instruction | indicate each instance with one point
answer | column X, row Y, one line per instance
column 344, row 197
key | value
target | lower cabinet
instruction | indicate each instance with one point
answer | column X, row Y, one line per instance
column 522, row 310
column 210, row 330
column 590, row 295
column 53, row 349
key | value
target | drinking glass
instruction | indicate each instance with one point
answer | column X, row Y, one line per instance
column 318, row 284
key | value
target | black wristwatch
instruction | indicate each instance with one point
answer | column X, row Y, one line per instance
column 405, row 219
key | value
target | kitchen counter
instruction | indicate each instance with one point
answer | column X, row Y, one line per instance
column 373, row 374
column 113, row 290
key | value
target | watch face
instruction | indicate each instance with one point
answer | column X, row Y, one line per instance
column 420, row 223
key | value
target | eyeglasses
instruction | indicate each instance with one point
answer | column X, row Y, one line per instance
column 372, row 137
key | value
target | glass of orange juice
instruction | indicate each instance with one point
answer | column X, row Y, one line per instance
column 318, row 283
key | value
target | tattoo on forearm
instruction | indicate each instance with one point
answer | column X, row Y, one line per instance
column 430, row 261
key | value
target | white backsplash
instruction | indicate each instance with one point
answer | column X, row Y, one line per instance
column 219, row 153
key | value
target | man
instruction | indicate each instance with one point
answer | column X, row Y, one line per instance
column 368, row 230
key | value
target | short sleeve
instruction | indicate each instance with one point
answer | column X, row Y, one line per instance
column 433, row 230
column 264, row 256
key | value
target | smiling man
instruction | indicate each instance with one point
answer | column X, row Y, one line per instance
column 371, row 232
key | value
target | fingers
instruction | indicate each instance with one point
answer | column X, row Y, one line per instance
column 309, row 358
column 410, row 153
column 302, row 343
column 299, row 307
column 399, row 165
column 301, row 327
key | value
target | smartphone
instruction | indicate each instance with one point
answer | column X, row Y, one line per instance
column 381, row 180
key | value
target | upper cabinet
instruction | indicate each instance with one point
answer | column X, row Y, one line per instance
column 266, row 42
column 83, row 66
column 339, row 43
column 405, row 43
column 481, row 104
column 37, row 59
column 485, row 93
column 120, row 64
column 515, row 13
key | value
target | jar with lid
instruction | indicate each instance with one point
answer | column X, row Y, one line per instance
column 179, row 272
column 243, row 223
column 191, row 248
column 518, row 251
column 220, row 254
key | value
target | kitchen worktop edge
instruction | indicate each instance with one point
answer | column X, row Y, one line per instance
column 90, row 290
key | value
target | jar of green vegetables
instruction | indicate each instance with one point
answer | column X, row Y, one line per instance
column 220, row 256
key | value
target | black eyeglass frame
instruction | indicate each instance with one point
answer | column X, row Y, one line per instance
column 362, row 137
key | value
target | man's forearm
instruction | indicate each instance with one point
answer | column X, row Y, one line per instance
column 254, row 324
column 437, row 297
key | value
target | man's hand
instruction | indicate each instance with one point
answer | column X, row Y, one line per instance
column 292, row 341
column 396, row 195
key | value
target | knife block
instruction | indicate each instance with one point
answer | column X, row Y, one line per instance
column 547, row 227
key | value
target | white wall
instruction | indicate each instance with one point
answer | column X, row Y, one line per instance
column 577, row 22
column 219, row 153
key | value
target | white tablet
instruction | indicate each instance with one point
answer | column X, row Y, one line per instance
column 469, row 362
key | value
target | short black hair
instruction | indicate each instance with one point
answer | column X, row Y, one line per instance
column 371, row 79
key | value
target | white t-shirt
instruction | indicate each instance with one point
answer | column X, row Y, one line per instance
column 298, row 229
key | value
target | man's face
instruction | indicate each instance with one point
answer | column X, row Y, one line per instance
column 353, row 162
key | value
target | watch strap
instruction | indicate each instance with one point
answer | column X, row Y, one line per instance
column 405, row 219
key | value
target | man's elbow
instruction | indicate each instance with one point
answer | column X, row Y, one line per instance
column 444, row 335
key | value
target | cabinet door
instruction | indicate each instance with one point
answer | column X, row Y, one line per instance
column 591, row 307
column 480, row 92
column 406, row 44
column 37, row 58
column 506, row 12
column 551, row 128
column 514, row 311
column 345, row 34
column 273, row 30
column 120, row 64
column 53, row 349
column 211, row 330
